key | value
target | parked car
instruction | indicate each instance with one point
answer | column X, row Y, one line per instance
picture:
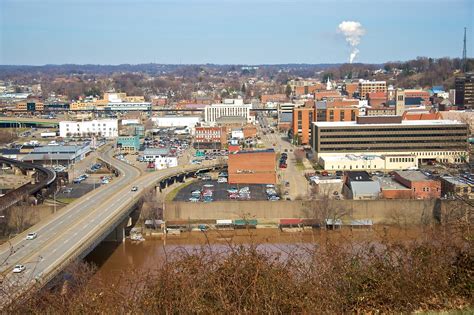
column 31, row 236
column 18, row 268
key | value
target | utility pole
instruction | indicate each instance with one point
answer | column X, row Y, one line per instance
column 464, row 54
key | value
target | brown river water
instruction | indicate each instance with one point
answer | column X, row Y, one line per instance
column 114, row 259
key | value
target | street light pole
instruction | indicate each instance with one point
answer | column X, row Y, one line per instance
column 54, row 198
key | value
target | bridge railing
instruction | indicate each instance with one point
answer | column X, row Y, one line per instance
column 97, row 235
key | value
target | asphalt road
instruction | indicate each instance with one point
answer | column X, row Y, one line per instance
column 65, row 232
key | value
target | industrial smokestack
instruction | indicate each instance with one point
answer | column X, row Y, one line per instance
column 352, row 31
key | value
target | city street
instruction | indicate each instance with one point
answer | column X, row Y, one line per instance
column 298, row 186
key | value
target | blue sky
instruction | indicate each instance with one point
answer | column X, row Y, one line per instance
column 40, row 32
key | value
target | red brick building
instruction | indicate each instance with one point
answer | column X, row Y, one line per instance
column 342, row 110
column 425, row 95
column 250, row 131
column 421, row 116
column 278, row 98
column 302, row 119
column 377, row 99
column 324, row 94
column 307, row 89
column 252, row 167
column 350, row 88
column 421, row 186
column 211, row 134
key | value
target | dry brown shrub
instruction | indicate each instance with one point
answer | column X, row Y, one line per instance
column 376, row 276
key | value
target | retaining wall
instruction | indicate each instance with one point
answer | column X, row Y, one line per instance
column 379, row 211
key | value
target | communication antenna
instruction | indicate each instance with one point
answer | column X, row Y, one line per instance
column 464, row 54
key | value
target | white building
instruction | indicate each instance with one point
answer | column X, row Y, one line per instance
column 107, row 128
column 130, row 122
column 230, row 108
column 165, row 162
column 365, row 162
column 237, row 134
column 177, row 121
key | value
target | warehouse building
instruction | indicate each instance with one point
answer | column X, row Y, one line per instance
column 422, row 187
column 252, row 167
column 424, row 140
column 58, row 154
column 345, row 162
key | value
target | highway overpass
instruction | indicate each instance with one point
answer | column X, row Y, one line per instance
column 27, row 122
column 78, row 228
column 46, row 180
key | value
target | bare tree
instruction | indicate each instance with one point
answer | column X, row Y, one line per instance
column 21, row 217
column 322, row 206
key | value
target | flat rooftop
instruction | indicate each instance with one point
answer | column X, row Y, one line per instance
column 456, row 180
column 351, row 157
column 387, row 183
column 413, row 176
column 403, row 123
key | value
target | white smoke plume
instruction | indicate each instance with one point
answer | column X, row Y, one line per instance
column 353, row 31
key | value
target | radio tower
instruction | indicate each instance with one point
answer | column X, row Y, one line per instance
column 464, row 54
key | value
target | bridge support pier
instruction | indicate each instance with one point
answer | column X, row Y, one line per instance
column 118, row 234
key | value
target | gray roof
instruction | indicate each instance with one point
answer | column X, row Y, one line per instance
column 413, row 175
column 321, row 105
column 46, row 156
column 57, row 149
column 231, row 119
column 365, row 188
column 387, row 183
column 286, row 117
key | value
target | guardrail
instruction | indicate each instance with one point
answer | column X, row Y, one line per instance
column 98, row 234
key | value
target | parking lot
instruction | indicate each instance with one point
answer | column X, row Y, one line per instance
column 220, row 191
column 72, row 191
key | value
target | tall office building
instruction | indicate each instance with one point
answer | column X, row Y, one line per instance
column 464, row 96
column 424, row 140
column 399, row 102
column 366, row 87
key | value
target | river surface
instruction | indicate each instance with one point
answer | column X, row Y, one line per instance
column 114, row 259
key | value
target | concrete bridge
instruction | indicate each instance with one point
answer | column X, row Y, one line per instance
column 27, row 122
column 45, row 179
column 75, row 230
